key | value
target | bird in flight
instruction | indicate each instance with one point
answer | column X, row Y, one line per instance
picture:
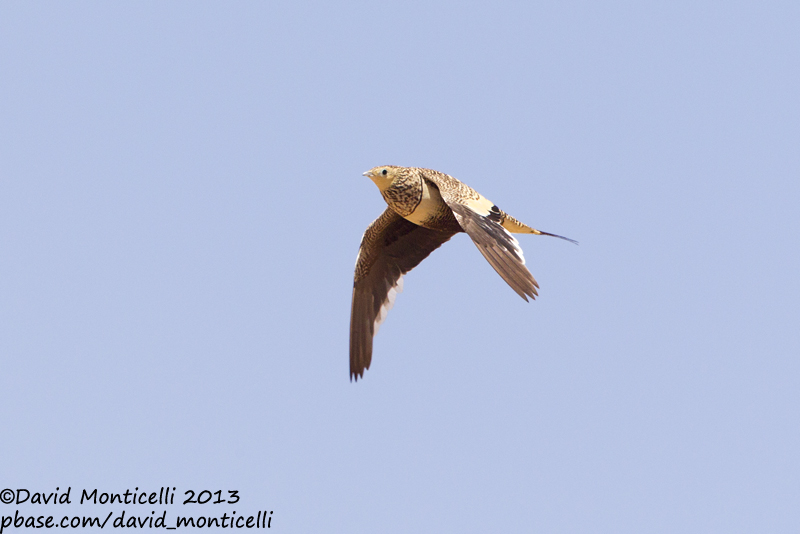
column 426, row 208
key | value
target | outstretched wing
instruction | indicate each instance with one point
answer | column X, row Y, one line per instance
column 497, row 245
column 391, row 247
column 481, row 219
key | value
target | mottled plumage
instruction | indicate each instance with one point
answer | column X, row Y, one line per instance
column 426, row 208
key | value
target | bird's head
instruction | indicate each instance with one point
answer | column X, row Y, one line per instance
column 383, row 176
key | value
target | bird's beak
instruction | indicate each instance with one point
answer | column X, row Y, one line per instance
column 368, row 174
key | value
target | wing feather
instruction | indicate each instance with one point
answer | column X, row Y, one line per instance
column 391, row 247
column 498, row 246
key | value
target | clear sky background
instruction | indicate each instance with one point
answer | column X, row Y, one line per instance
column 181, row 204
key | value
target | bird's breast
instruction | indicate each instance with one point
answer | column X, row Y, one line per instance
column 431, row 211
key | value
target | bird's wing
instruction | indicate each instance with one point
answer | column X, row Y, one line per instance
column 497, row 245
column 391, row 247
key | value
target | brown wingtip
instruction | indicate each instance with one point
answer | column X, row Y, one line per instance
column 356, row 374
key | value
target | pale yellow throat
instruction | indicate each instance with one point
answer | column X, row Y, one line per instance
column 381, row 181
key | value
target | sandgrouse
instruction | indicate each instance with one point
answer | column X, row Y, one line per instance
column 426, row 208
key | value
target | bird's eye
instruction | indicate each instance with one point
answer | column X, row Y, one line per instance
column 384, row 172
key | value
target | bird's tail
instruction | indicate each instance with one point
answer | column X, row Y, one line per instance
column 515, row 227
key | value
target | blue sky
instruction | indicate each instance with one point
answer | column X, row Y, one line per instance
column 181, row 203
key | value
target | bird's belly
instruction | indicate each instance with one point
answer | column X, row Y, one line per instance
column 430, row 209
